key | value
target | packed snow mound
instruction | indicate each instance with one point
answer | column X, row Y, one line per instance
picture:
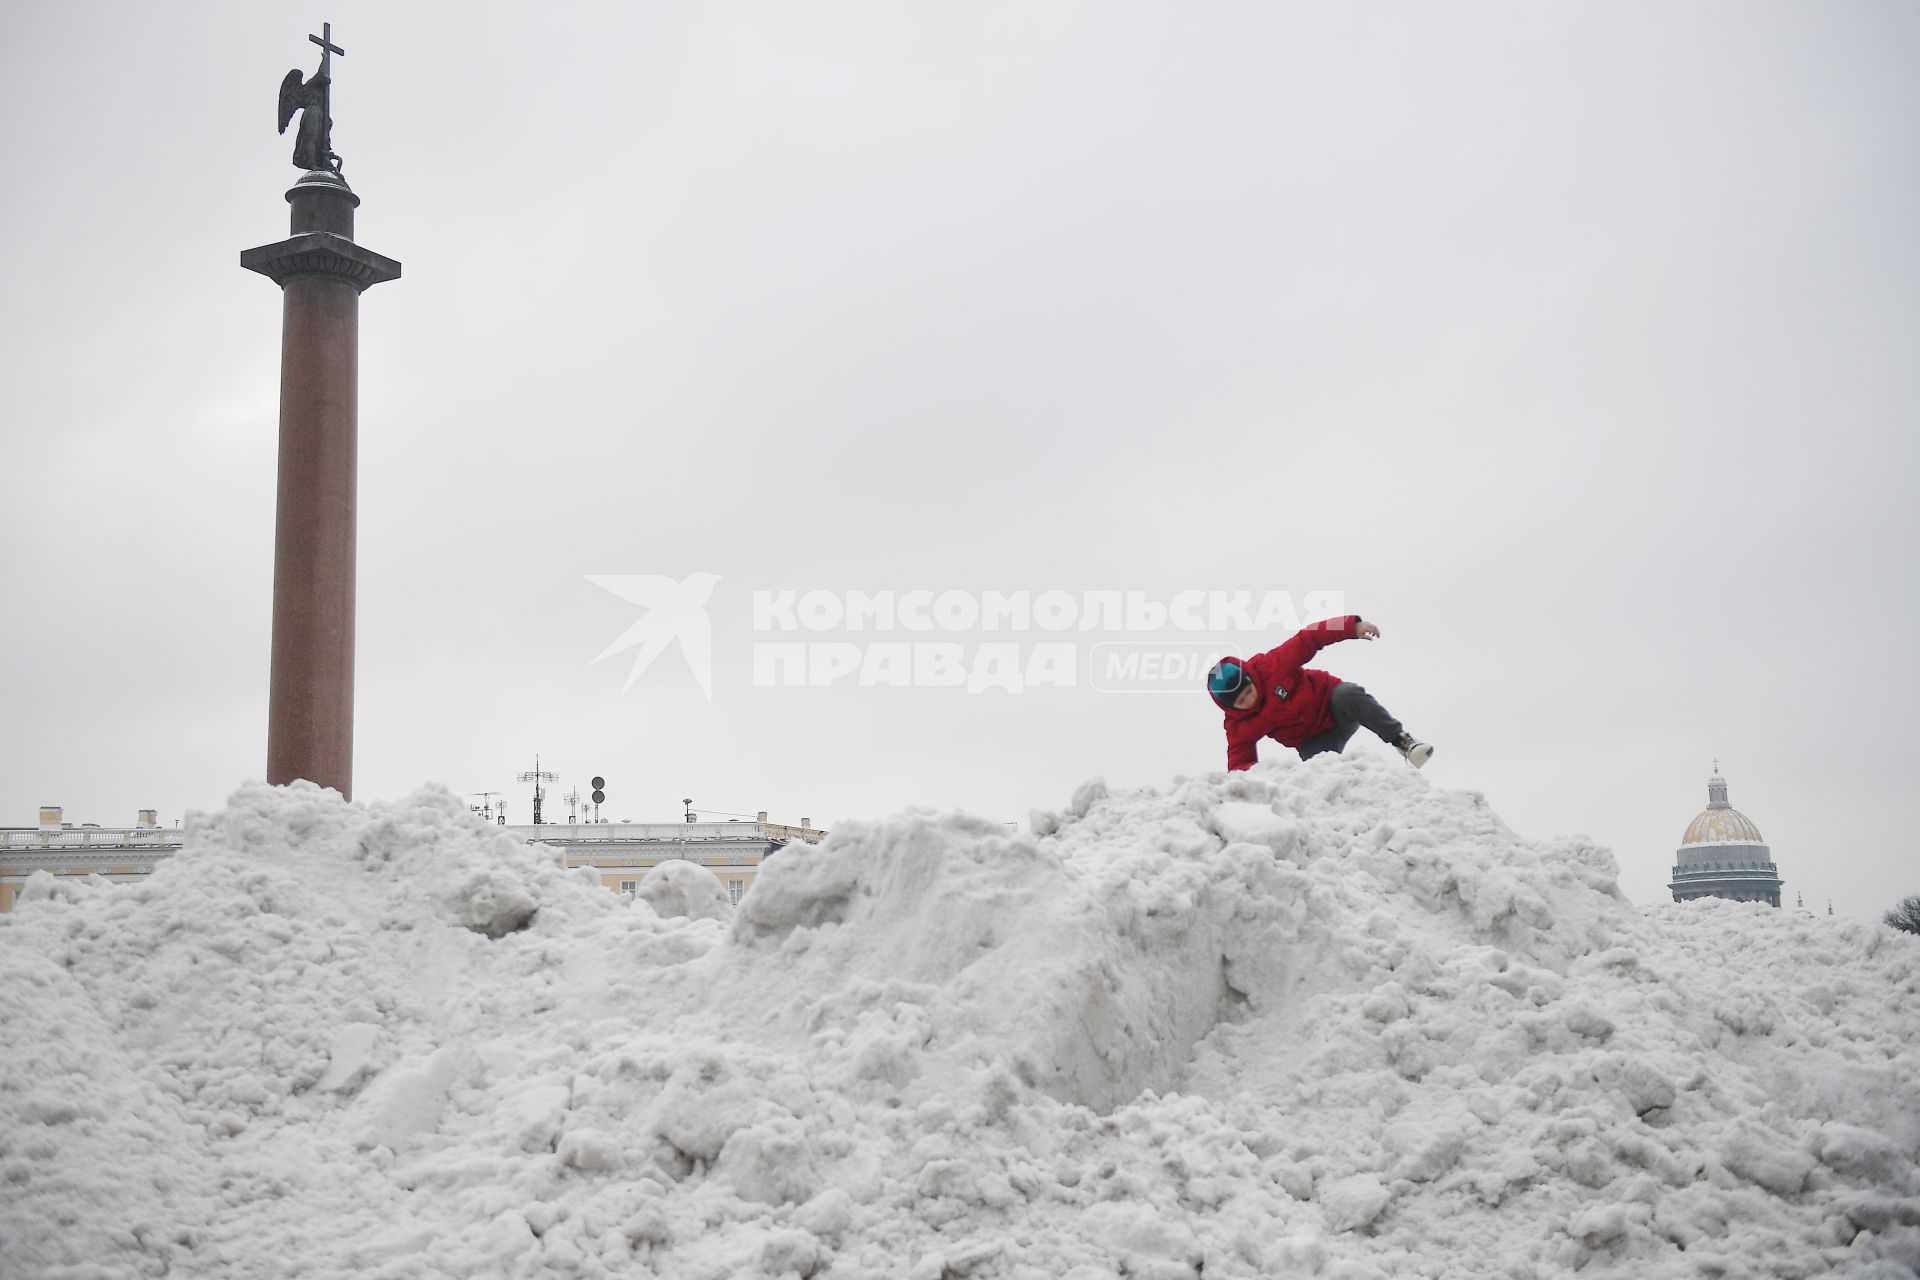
column 1320, row 1018
column 1139, row 926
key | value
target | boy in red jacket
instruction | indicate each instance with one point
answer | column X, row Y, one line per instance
column 1273, row 695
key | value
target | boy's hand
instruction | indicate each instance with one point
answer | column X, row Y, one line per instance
column 1367, row 631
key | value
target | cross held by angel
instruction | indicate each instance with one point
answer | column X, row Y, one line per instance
column 313, row 141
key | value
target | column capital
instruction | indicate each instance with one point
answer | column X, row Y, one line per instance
column 321, row 253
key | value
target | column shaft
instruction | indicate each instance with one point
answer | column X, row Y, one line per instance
column 310, row 703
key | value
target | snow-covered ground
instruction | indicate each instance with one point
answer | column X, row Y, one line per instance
column 1319, row 1019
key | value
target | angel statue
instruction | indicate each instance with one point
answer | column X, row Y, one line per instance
column 313, row 142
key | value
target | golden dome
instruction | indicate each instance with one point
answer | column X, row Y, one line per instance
column 1720, row 822
column 1721, row 826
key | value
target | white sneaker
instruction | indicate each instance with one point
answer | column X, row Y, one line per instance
column 1416, row 753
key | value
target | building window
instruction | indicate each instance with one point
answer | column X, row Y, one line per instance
column 736, row 889
column 627, row 887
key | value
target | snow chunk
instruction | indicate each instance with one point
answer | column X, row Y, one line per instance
column 681, row 888
column 1353, row 1202
column 350, row 1057
column 1758, row 1154
column 407, row 1100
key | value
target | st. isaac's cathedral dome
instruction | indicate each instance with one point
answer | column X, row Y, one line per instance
column 1722, row 854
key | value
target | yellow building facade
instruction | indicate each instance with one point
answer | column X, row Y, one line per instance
column 62, row 848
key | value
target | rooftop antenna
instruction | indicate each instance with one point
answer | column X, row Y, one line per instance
column 536, row 778
column 573, row 806
column 485, row 810
column 689, row 804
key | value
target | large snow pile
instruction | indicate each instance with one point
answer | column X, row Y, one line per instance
column 1318, row 1019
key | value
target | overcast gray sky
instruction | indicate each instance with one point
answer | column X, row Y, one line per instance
column 1573, row 343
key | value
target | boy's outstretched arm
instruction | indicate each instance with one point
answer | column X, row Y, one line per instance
column 1316, row 636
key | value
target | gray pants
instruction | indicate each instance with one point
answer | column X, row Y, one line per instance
column 1352, row 708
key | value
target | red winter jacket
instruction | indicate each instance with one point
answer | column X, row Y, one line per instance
column 1293, row 698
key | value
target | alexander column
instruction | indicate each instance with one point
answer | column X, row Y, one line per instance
column 321, row 273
